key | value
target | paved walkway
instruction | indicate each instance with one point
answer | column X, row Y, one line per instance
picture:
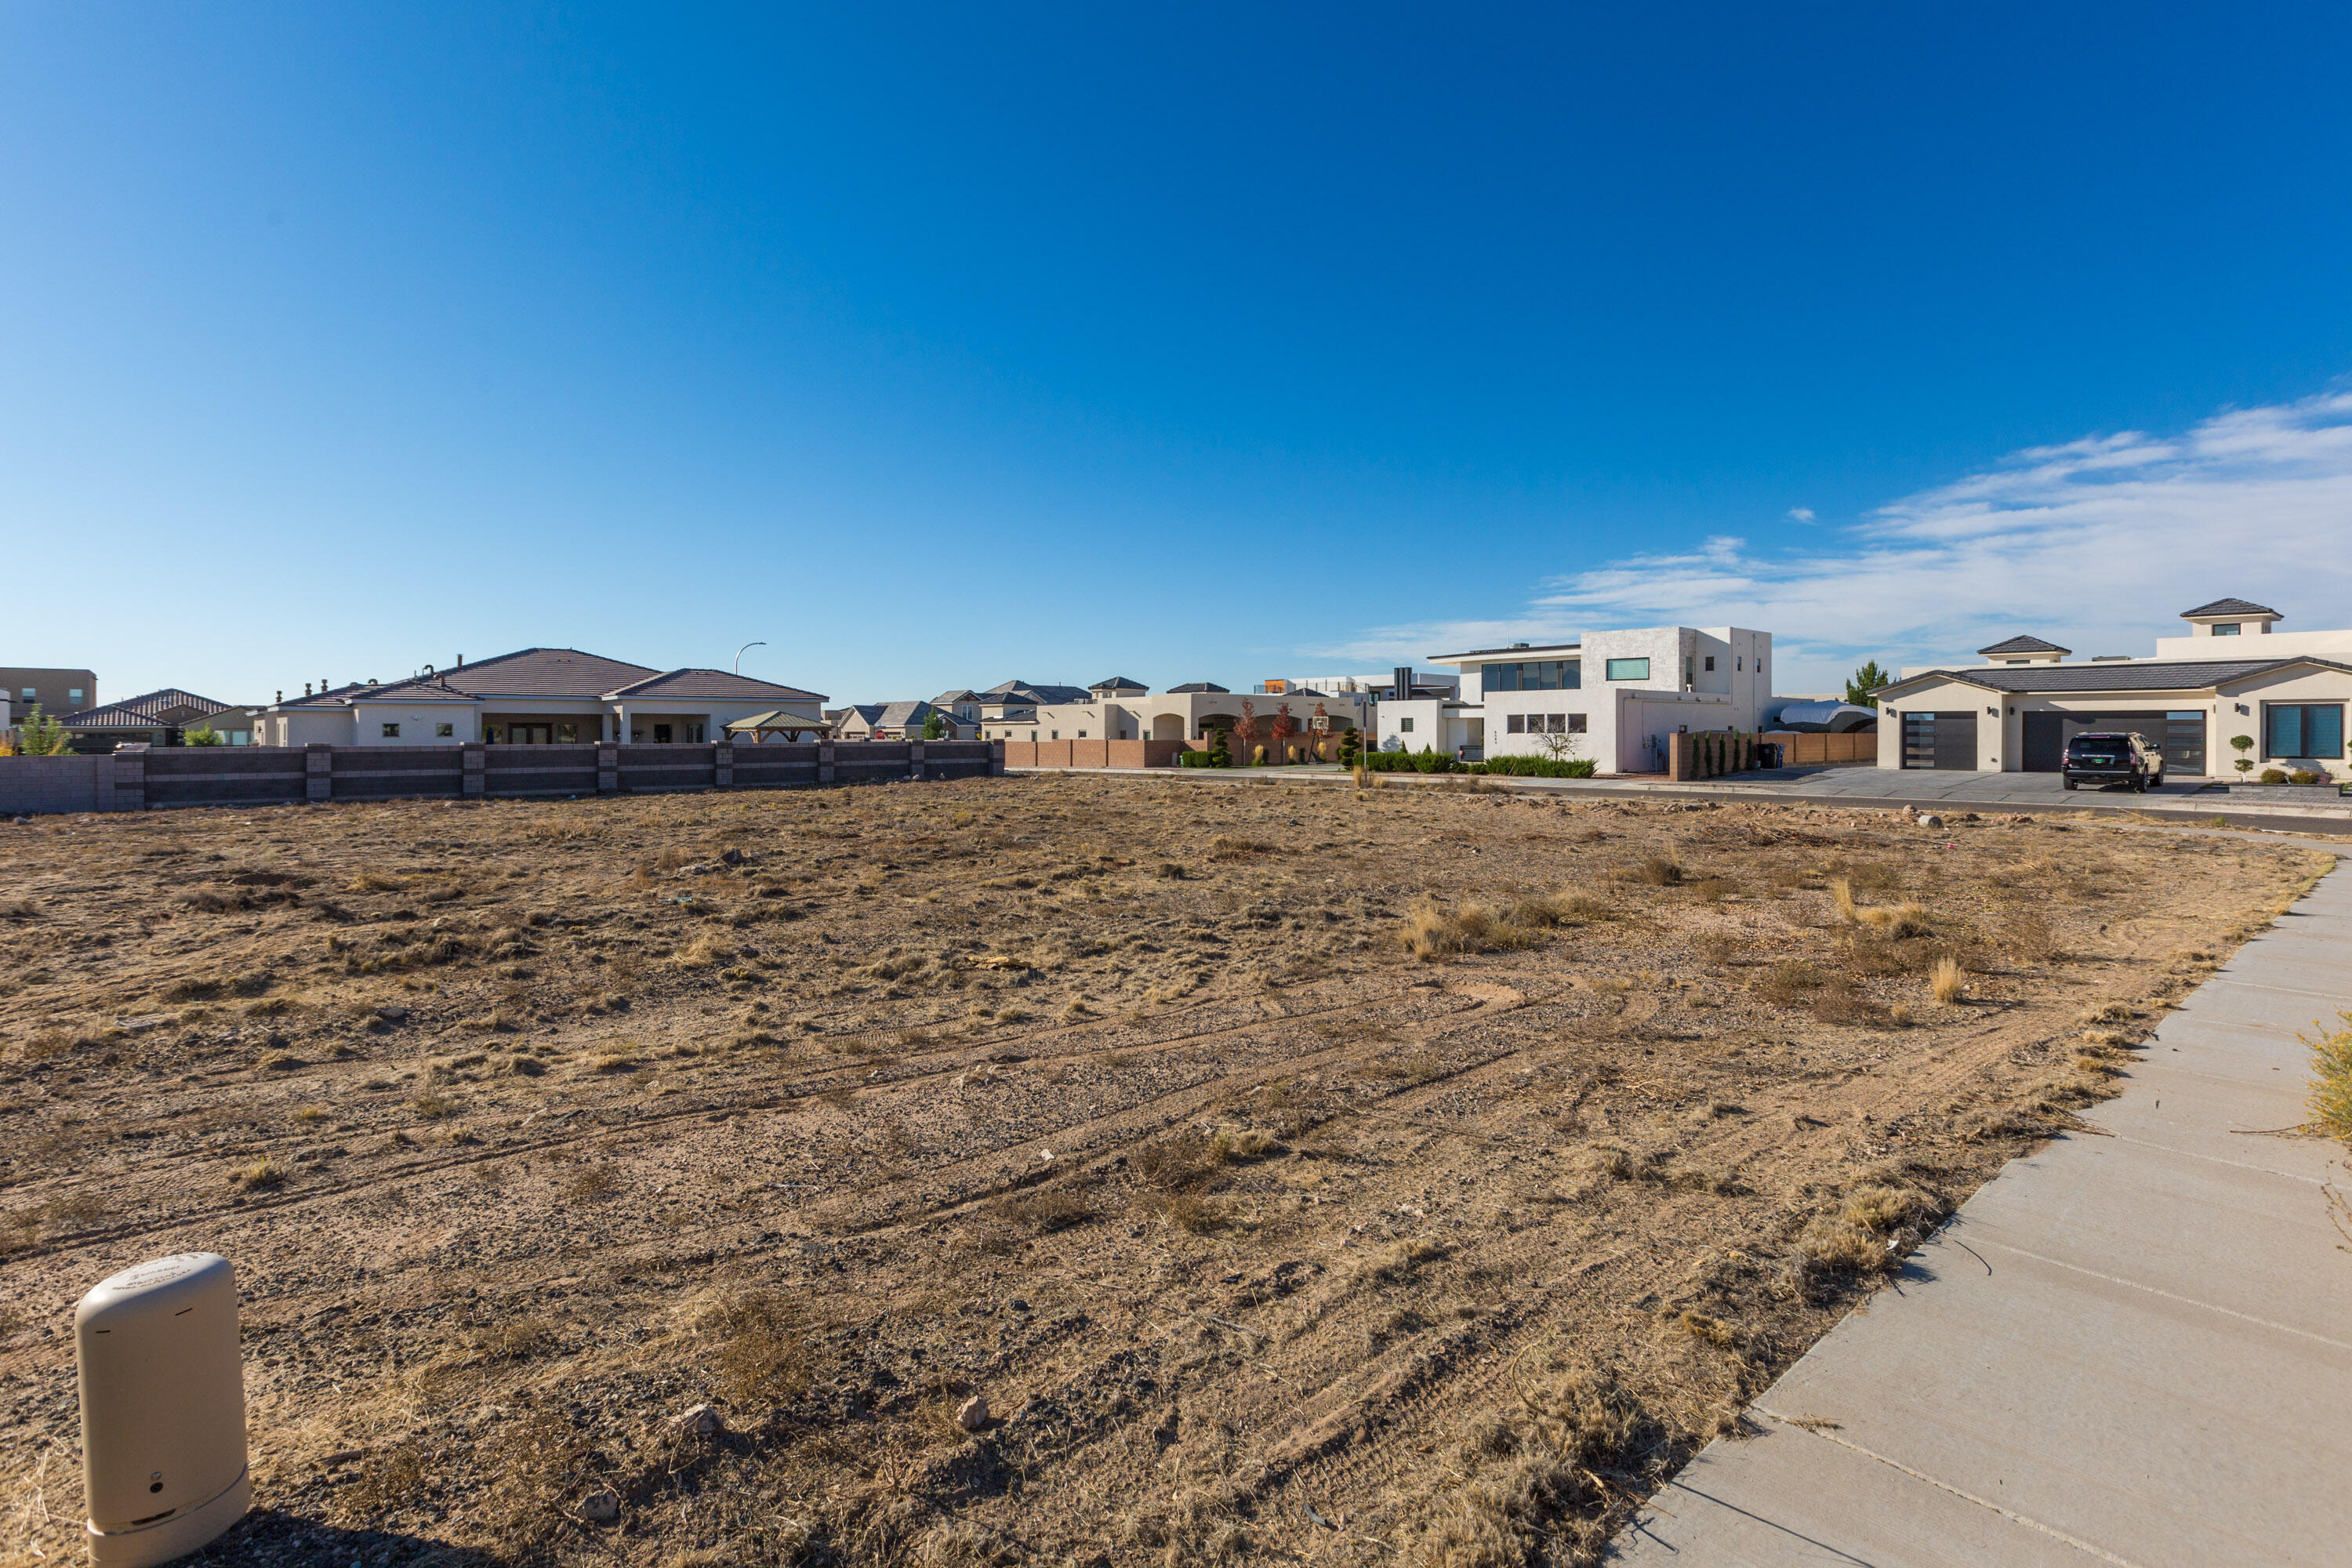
column 2132, row 1350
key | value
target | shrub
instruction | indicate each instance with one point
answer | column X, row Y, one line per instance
column 203, row 735
column 1434, row 933
column 2331, row 1089
column 1949, row 983
column 1541, row 767
column 2274, row 775
column 1257, row 756
column 1220, row 750
column 1196, row 758
column 2303, row 776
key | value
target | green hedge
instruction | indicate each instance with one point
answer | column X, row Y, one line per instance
column 1427, row 761
column 1540, row 767
column 1196, row 758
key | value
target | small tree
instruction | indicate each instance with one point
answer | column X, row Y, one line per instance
column 1246, row 727
column 1348, row 749
column 203, row 735
column 935, row 728
column 1865, row 683
column 1560, row 746
column 41, row 736
column 1284, row 726
column 1221, row 748
column 2242, row 745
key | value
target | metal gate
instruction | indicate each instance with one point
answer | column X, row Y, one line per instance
column 1940, row 740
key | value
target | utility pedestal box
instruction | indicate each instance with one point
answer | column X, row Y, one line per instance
column 162, row 1409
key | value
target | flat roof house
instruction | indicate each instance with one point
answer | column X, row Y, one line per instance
column 537, row 695
column 1623, row 692
column 57, row 691
column 2209, row 698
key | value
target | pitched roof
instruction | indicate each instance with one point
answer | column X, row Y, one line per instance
column 904, row 715
column 1022, row 690
column 2154, row 675
column 2230, row 607
column 560, row 673
column 2023, row 644
column 1118, row 683
column 949, row 699
column 718, row 685
column 170, row 706
column 1198, row 686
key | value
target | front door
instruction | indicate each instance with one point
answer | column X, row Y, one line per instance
column 530, row 734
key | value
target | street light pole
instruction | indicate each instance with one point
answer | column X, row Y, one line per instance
column 742, row 651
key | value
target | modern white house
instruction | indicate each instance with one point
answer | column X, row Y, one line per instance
column 2232, row 688
column 1619, row 693
column 537, row 695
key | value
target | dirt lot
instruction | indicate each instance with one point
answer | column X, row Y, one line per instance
column 1130, row 1108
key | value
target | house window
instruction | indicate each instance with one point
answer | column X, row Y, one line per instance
column 31, row 694
column 694, row 732
column 1082, row 735
column 73, row 695
column 445, row 731
column 2226, row 629
column 2300, row 730
column 391, row 731
column 240, row 737
column 1516, row 724
column 1404, row 726
column 1576, row 723
column 567, row 732
column 661, row 734
column 1628, row 669
column 1057, row 734
column 1710, row 662
column 1533, row 675
column 1738, row 664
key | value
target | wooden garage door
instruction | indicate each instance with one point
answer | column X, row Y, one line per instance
column 1940, row 740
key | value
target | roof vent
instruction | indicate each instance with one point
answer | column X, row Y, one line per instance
column 1518, row 645
column 306, row 689
column 2111, row 659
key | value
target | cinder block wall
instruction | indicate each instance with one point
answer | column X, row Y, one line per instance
column 279, row 775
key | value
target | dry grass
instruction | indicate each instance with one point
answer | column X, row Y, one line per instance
column 1434, row 933
column 1301, row 1183
column 2331, row 1087
column 1946, row 981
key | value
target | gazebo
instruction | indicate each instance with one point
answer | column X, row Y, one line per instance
column 778, row 723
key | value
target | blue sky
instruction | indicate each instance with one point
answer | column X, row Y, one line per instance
column 936, row 346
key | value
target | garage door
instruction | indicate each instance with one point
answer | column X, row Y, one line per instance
column 1940, row 740
column 2181, row 735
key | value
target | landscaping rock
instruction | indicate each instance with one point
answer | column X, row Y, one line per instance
column 701, row 1421
column 973, row 1414
column 603, row 1507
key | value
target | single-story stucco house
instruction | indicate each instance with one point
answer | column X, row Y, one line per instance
column 538, row 696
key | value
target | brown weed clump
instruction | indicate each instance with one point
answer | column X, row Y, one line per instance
column 1434, row 933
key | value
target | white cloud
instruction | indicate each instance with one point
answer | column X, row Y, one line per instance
column 2098, row 543
column 1801, row 513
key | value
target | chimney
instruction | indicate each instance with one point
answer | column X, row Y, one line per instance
column 306, row 689
column 281, row 694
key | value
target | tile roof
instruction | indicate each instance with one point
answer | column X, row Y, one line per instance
column 170, row 706
column 2023, row 644
column 560, row 673
column 1193, row 686
column 2154, row 675
column 1021, row 690
column 1117, row 683
column 2230, row 607
column 712, row 684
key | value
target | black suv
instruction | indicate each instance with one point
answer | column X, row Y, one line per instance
column 2113, row 760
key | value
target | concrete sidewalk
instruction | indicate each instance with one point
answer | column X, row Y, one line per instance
column 2134, row 1349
